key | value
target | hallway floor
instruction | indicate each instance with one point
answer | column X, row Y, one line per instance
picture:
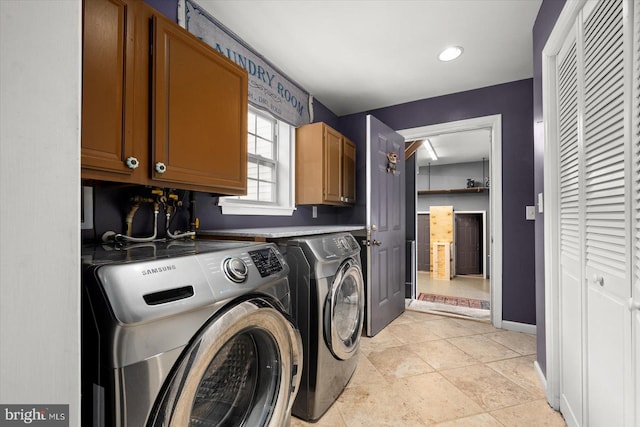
column 430, row 370
column 460, row 286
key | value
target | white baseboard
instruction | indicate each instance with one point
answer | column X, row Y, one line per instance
column 519, row 327
column 543, row 381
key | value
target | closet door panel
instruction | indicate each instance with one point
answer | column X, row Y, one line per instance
column 635, row 183
column 571, row 291
column 607, row 223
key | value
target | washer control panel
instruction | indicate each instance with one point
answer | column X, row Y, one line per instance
column 266, row 261
column 235, row 269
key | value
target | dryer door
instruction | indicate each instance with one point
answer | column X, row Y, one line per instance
column 345, row 306
column 243, row 369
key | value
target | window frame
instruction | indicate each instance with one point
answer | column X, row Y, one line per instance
column 284, row 204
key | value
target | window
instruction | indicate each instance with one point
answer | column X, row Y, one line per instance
column 270, row 168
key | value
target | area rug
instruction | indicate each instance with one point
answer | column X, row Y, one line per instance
column 457, row 301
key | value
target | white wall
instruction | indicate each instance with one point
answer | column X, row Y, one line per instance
column 40, row 75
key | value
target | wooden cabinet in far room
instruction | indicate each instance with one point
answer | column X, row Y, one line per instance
column 170, row 111
column 325, row 166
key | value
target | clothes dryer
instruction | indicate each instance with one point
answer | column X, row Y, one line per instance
column 327, row 290
column 187, row 333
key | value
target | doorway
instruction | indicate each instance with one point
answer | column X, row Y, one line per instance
column 470, row 278
column 494, row 235
column 469, row 235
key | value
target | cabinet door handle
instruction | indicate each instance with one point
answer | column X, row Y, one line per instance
column 161, row 167
column 598, row 279
column 132, row 162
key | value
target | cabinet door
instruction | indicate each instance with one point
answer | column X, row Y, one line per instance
column 199, row 113
column 348, row 171
column 107, row 97
column 333, row 165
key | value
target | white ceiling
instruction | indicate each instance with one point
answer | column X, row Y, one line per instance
column 359, row 55
column 459, row 147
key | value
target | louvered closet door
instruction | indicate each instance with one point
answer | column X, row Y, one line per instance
column 570, row 290
column 635, row 302
column 607, row 222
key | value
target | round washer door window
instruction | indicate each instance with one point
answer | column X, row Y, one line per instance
column 346, row 310
column 241, row 371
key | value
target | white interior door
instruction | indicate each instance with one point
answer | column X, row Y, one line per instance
column 634, row 302
column 385, row 226
column 607, row 223
column 594, row 188
column 571, row 259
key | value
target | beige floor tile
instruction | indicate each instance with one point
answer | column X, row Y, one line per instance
column 488, row 388
column 521, row 371
column 415, row 316
column 414, row 332
column 437, row 400
column 331, row 418
column 398, row 362
column 480, row 420
column 395, row 385
column 483, row 348
column 478, row 326
column 517, row 341
column 442, row 354
column 383, row 406
column 366, row 374
column 531, row 414
column 448, row 328
column 384, row 339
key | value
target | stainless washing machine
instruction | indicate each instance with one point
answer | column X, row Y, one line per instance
column 187, row 333
column 327, row 292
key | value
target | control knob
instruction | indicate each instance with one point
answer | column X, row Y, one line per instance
column 235, row 269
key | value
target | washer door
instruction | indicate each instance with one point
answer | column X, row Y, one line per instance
column 344, row 312
column 243, row 369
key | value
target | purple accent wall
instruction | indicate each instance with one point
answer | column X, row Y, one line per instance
column 515, row 102
column 169, row 8
column 547, row 17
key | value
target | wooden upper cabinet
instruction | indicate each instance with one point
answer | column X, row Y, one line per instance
column 325, row 166
column 107, row 98
column 157, row 96
column 348, row 171
column 332, row 165
column 199, row 117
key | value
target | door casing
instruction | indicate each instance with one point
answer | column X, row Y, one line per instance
column 494, row 123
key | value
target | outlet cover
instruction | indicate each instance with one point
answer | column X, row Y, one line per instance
column 531, row 213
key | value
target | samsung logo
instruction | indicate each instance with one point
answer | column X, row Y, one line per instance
column 162, row 269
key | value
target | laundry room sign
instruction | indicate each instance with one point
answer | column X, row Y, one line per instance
column 269, row 89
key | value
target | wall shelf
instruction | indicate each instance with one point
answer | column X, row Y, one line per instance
column 455, row 191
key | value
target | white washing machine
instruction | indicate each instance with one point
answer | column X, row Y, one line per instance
column 193, row 333
column 327, row 290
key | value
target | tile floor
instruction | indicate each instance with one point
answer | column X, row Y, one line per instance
column 431, row 370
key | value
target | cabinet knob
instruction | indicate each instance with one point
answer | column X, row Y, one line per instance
column 633, row 305
column 161, row 167
column 132, row 162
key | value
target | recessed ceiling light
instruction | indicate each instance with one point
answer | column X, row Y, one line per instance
column 450, row 53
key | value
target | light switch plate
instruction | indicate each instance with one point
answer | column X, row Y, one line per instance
column 531, row 213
